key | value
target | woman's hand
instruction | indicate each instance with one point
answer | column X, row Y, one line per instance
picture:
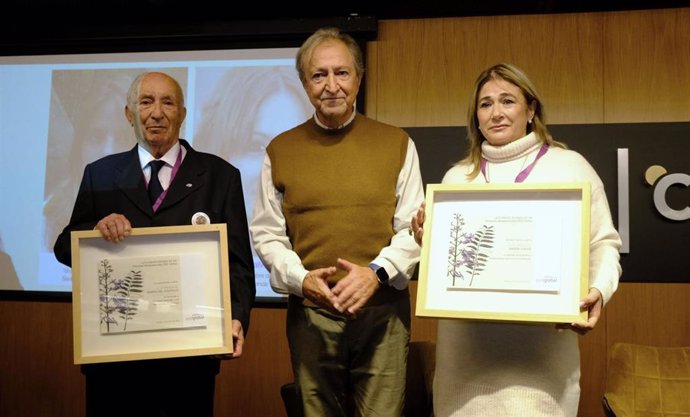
column 417, row 223
column 593, row 303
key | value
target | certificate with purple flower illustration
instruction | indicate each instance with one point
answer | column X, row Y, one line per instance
column 148, row 293
column 515, row 252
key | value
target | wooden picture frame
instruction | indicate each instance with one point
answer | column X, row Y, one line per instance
column 162, row 292
column 513, row 252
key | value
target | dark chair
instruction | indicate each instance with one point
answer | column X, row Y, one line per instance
column 421, row 362
column 291, row 400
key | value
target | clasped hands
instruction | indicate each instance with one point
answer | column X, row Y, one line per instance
column 348, row 295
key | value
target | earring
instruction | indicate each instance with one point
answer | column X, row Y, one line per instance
column 529, row 122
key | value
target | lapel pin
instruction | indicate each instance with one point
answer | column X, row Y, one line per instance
column 200, row 218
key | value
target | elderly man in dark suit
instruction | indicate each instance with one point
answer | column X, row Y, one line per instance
column 162, row 181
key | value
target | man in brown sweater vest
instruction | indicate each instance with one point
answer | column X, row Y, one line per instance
column 331, row 225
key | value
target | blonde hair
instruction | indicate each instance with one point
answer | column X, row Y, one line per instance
column 230, row 116
column 518, row 78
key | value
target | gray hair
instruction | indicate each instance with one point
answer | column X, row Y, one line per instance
column 133, row 92
column 317, row 38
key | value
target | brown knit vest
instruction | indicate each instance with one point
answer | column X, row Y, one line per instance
column 339, row 189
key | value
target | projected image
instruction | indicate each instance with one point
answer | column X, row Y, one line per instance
column 61, row 112
column 272, row 101
column 8, row 275
column 86, row 123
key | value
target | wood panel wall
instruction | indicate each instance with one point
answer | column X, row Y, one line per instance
column 589, row 67
column 619, row 67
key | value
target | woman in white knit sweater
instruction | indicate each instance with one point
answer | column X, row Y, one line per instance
column 505, row 369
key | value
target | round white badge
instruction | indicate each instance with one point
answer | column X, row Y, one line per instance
column 200, row 218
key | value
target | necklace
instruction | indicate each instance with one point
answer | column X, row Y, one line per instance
column 524, row 173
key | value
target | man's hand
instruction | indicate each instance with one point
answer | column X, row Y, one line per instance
column 315, row 287
column 237, row 339
column 237, row 342
column 114, row 227
column 356, row 288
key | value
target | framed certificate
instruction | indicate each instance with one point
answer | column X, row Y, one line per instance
column 162, row 292
column 513, row 252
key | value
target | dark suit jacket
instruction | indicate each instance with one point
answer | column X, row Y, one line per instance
column 204, row 183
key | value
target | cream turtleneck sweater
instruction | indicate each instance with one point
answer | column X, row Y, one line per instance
column 493, row 369
column 510, row 159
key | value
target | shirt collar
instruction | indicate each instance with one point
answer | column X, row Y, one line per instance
column 170, row 157
column 347, row 122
